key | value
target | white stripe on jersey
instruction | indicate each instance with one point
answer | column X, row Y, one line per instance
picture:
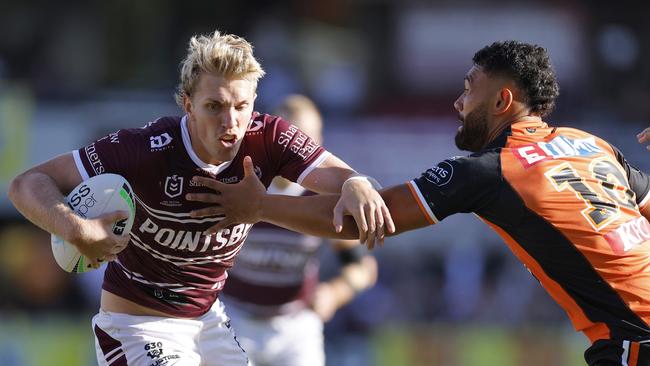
column 626, row 352
column 135, row 276
column 80, row 165
column 313, row 166
column 423, row 202
column 183, row 261
column 171, row 216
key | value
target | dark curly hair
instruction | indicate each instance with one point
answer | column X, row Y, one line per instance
column 526, row 64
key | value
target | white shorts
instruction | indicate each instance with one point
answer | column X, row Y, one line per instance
column 122, row 339
column 283, row 340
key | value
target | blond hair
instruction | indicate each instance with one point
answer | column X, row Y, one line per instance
column 228, row 55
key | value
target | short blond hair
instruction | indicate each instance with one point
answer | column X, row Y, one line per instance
column 228, row 55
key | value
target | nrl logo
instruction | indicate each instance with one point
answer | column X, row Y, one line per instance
column 174, row 186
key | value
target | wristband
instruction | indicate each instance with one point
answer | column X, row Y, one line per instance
column 373, row 182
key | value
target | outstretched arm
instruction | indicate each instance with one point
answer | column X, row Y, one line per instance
column 248, row 202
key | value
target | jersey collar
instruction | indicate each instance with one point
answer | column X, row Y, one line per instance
column 210, row 168
column 522, row 126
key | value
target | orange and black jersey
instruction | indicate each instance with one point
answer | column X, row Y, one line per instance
column 567, row 204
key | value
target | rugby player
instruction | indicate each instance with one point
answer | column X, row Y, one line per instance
column 566, row 202
column 159, row 302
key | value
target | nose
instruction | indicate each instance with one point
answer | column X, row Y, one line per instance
column 458, row 104
column 230, row 119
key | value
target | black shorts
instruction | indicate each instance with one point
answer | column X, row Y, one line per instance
column 605, row 352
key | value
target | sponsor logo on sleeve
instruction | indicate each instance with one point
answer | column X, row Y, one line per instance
column 302, row 145
column 94, row 160
column 440, row 174
column 114, row 138
column 559, row 147
column 159, row 142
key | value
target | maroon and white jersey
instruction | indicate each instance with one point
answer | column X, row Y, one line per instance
column 276, row 271
column 169, row 265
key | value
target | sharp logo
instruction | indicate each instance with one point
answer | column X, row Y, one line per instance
column 258, row 172
column 160, row 141
column 174, row 186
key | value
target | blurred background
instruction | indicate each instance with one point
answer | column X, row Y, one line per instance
column 385, row 74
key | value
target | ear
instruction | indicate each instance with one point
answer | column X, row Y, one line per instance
column 504, row 101
column 187, row 104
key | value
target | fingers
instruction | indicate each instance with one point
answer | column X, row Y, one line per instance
column 369, row 213
column 218, row 227
column 203, row 197
column 644, row 135
column 337, row 221
column 208, row 182
column 249, row 169
column 208, row 211
column 362, row 226
column 114, row 216
column 380, row 234
column 388, row 219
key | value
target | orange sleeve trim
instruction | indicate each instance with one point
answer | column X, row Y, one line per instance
column 424, row 207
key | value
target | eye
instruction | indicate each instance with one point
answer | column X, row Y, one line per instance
column 241, row 107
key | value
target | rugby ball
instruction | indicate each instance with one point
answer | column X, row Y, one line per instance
column 97, row 195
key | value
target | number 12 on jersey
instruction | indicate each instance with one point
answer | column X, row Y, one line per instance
column 602, row 208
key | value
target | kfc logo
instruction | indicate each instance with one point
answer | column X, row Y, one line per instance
column 174, row 186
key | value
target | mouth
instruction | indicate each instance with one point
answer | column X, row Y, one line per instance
column 228, row 140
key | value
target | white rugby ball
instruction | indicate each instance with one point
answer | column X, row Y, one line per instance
column 97, row 195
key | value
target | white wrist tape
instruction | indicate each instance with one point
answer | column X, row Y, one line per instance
column 373, row 182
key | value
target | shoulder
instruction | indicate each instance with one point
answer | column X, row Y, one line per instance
column 477, row 166
column 272, row 129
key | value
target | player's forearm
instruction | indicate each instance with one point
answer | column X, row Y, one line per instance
column 355, row 278
column 37, row 197
column 309, row 215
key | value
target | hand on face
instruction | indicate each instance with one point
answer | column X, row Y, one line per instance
column 361, row 201
column 240, row 201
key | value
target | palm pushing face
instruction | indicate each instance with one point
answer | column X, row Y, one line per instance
column 219, row 111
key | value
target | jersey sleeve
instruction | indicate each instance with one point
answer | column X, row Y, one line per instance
column 639, row 181
column 462, row 184
column 295, row 153
column 114, row 153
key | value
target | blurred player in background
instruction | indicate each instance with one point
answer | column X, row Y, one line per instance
column 274, row 297
column 566, row 202
column 159, row 297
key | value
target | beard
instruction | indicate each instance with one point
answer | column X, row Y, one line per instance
column 474, row 132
